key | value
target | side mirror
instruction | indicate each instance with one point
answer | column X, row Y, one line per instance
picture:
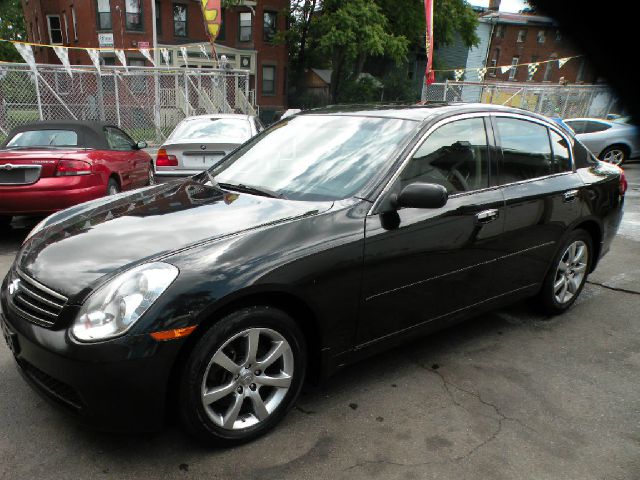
column 141, row 145
column 421, row 195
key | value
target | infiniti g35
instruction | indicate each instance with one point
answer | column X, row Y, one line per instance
column 327, row 237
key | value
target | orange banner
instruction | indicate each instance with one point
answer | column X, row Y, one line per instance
column 212, row 13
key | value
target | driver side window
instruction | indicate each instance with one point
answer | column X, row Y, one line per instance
column 454, row 156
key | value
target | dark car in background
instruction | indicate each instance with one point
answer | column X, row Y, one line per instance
column 333, row 235
column 52, row 165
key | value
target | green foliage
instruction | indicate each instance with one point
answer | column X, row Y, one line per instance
column 11, row 28
column 398, row 87
column 364, row 90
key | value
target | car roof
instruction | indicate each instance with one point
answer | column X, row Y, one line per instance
column 587, row 119
column 219, row 115
column 90, row 134
column 419, row 113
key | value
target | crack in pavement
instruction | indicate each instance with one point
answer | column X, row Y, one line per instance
column 447, row 385
column 615, row 289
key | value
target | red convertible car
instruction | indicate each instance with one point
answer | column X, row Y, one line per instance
column 49, row 166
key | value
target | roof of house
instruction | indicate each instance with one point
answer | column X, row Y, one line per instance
column 324, row 74
column 518, row 19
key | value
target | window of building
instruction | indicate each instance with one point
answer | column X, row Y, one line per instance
column 270, row 26
column 580, row 74
column 494, row 62
column 534, row 59
column 133, row 14
column 542, row 36
column 549, row 69
column 526, row 150
column 104, row 15
column 558, row 36
column 158, row 18
column 38, row 30
column 522, row 36
column 454, row 156
column 245, row 26
column 500, row 31
column 55, row 29
column 268, row 80
column 179, row 20
column 512, row 72
column 74, row 20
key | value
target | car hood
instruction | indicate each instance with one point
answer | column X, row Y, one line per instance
column 79, row 246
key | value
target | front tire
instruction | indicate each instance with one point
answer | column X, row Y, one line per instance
column 568, row 273
column 242, row 376
column 113, row 187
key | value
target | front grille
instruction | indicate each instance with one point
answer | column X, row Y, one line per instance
column 35, row 302
column 53, row 388
column 19, row 174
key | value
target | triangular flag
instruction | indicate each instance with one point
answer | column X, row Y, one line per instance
column 95, row 57
column 165, row 56
column 505, row 68
column 122, row 59
column 562, row 61
column 204, row 51
column 27, row 53
column 481, row 73
column 532, row 68
column 183, row 53
column 458, row 74
column 63, row 55
column 145, row 52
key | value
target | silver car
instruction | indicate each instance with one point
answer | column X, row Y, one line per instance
column 613, row 141
column 199, row 142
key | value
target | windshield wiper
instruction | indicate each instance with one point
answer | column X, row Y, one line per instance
column 240, row 187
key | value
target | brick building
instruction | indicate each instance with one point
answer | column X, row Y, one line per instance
column 518, row 38
column 245, row 38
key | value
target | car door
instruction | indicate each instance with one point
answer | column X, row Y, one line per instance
column 424, row 264
column 125, row 154
column 596, row 136
column 542, row 197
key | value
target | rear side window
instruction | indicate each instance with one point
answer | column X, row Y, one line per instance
column 594, row 127
column 525, row 148
column 44, row 138
column 578, row 126
column 455, row 156
column 561, row 156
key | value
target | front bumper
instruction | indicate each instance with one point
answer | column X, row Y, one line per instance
column 50, row 194
column 118, row 385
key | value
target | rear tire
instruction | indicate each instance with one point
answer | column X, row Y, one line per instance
column 568, row 273
column 152, row 176
column 5, row 221
column 113, row 187
column 615, row 154
column 248, row 368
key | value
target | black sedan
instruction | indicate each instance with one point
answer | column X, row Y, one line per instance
column 328, row 237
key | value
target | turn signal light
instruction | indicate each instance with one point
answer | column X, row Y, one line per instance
column 164, row 160
column 173, row 334
column 623, row 182
column 72, row 167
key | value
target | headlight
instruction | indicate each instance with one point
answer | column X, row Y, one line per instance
column 113, row 308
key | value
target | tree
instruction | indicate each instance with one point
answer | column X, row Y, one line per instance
column 11, row 28
column 347, row 32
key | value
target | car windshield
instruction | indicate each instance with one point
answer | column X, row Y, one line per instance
column 223, row 130
column 44, row 138
column 317, row 157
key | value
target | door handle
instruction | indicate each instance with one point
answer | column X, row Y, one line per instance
column 570, row 195
column 487, row 216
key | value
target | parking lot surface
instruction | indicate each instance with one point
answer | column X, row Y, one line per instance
column 507, row 395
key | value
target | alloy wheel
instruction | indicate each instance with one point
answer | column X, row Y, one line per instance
column 615, row 156
column 571, row 272
column 247, row 378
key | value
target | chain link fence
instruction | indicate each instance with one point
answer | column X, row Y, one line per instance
column 565, row 101
column 146, row 102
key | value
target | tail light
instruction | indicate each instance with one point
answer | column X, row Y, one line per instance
column 72, row 167
column 164, row 160
column 623, row 182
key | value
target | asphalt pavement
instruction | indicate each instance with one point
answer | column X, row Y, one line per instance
column 508, row 395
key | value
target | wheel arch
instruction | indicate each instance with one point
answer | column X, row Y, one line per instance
column 594, row 229
column 288, row 302
column 626, row 147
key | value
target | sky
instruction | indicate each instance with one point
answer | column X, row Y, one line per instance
column 506, row 5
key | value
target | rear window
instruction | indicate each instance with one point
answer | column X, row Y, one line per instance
column 212, row 130
column 44, row 138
